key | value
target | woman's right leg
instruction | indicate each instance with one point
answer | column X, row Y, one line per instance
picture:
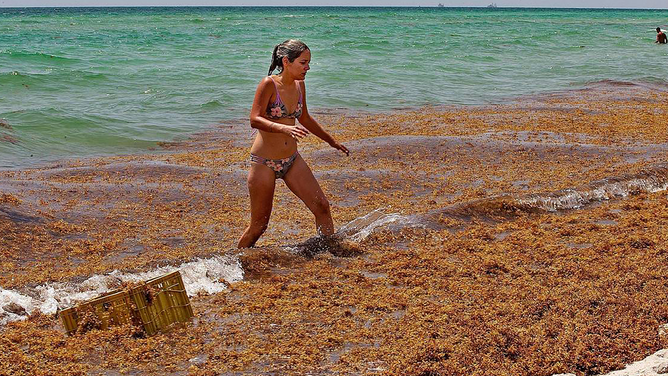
column 261, row 184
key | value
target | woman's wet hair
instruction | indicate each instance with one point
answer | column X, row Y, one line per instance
column 291, row 49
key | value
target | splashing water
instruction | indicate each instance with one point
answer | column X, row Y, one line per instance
column 201, row 275
column 207, row 275
column 360, row 228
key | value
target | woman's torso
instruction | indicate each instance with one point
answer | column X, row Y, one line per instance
column 272, row 145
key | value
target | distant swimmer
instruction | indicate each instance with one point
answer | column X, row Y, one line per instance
column 661, row 36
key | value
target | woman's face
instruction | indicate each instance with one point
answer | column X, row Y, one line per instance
column 300, row 66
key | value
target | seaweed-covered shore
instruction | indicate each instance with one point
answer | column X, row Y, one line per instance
column 529, row 239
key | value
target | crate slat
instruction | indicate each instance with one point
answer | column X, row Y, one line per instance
column 155, row 304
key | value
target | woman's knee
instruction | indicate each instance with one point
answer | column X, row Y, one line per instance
column 254, row 183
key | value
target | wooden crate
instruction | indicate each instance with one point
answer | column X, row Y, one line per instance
column 161, row 302
column 154, row 305
column 111, row 309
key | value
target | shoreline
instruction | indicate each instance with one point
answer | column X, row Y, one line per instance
column 476, row 292
column 528, row 100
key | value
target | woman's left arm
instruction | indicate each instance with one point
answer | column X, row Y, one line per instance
column 314, row 127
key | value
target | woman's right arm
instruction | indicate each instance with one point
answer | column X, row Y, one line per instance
column 260, row 103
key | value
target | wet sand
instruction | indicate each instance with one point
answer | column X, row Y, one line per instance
column 472, row 278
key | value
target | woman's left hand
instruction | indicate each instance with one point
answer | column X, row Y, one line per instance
column 338, row 146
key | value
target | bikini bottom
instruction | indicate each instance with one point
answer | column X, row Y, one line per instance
column 279, row 166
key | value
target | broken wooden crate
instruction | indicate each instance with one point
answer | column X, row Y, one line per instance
column 153, row 306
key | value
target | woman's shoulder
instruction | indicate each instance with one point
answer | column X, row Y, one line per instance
column 266, row 84
column 266, row 80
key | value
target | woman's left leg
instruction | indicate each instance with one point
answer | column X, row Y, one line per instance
column 302, row 183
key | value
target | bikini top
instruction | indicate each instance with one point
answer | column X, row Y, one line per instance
column 277, row 109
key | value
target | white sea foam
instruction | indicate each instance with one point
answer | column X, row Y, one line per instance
column 199, row 276
column 649, row 182
column 360, row 228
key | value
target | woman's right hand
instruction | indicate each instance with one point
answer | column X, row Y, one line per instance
column 296, row 131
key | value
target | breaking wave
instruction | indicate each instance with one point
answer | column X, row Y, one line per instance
column 210, row 275
column 651, row 180
column 360, row 228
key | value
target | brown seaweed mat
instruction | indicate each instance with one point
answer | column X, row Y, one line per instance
column 481, row 293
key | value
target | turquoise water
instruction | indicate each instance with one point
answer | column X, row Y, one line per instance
column 92, row 81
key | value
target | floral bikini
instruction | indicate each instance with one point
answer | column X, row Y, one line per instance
column 277, row 110
column 280, row 166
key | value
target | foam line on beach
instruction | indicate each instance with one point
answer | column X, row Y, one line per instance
column 649, row 181
column 205, row 275
column 211, row 275
column 208, row 275
column 653, row 365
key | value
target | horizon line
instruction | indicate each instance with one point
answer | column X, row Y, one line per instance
column 310, row 6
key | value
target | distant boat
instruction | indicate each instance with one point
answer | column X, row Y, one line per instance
column 440, row 5
column 492, row 5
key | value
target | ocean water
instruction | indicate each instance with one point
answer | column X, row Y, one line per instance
column 77, row 82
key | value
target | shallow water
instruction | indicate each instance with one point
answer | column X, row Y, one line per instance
column 90, row 81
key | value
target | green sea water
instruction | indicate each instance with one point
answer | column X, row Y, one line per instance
column 76, row 82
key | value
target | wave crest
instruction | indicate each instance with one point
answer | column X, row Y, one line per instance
column 651, row 180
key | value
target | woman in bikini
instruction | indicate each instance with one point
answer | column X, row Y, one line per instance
column 279, row 101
